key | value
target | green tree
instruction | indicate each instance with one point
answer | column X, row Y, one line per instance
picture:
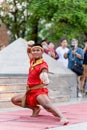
column 51, row 19
column 14, row 14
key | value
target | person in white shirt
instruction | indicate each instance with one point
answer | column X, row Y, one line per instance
column 61, row 50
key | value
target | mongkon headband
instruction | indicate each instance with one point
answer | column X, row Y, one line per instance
column 38, row 47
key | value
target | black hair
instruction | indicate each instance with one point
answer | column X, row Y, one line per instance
column 62, row 39
column 85, row 40
column 45, row 40
column 37, row 44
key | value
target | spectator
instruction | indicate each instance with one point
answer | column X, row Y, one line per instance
column 61, row 50
column 84, row 76
column 49, row 49
column 75, row 54
column 52, row 51
column 44, row 44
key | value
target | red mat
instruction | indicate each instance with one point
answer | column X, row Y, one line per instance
column 22, row 120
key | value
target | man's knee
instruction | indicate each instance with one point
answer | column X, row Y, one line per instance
column 13, row 100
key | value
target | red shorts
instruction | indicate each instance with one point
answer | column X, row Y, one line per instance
column 32, row 95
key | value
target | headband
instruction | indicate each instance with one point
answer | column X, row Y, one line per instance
column 37, row 46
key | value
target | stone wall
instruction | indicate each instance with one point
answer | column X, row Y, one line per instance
column 61, row 88
column 9, row 87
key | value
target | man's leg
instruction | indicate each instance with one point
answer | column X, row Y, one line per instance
column 80, row 86
column 46, row 103
column 17, row 100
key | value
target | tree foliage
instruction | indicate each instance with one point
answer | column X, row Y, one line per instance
column 51, row 19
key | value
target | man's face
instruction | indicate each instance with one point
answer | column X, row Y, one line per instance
column 74, row 44
column 64, row 43
column 44, row 45
column 36, row 52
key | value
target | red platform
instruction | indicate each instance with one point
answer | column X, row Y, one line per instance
column 22, row 120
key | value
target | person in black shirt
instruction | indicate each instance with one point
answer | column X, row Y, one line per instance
column 84, row 76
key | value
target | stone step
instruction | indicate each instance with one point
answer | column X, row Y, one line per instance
column 59, row 91
column 8, row 95
column 13, row 80
column 6, row 104
column 5, row 98
column 10, row 87
column 7, row 92
column 10, row 91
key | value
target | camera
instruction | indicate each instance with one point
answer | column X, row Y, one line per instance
column 73, row 47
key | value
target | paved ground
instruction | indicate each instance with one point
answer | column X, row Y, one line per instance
column 80, row 126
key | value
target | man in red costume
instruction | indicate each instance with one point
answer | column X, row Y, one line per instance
column 36, row 90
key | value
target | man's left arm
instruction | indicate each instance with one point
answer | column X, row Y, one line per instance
column 44, row 76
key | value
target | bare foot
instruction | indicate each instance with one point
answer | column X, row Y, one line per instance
column 64, row 121
column 36, row 111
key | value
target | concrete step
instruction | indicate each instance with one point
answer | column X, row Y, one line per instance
column 8, row 95
column 6, row 104
column 13, row 80
column 12, row 87
column 10, row 91
column 5, row 98
column 7, row 91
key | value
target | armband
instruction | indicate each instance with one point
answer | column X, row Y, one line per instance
column 44, row 78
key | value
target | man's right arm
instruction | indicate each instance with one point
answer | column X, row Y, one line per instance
column 29, row 52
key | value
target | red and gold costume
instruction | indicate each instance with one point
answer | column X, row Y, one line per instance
column 33, row 80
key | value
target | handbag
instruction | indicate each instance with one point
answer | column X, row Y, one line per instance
column 78, row 68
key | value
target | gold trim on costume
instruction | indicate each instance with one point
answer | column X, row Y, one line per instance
column 39, row 61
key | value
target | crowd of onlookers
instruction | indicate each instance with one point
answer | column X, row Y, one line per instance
column 67, row 56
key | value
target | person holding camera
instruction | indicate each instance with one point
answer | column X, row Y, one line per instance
column 75, row 55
